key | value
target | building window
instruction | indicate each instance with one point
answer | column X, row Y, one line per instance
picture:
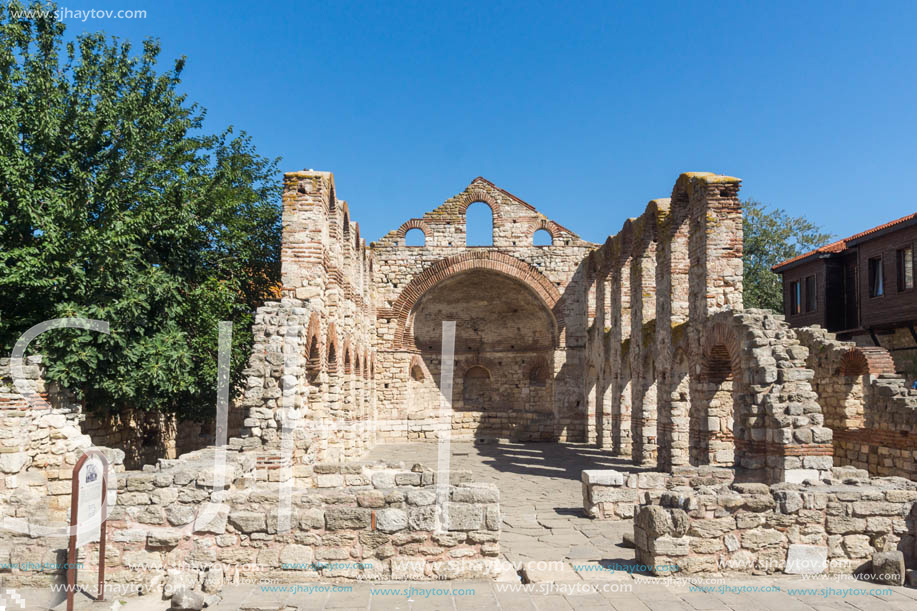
column 905, row 269
column 810, row 294
column 876, row 277
column 795, row 297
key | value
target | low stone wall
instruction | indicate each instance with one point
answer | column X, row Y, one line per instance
column 40, row 442
column 835, row 525
column 189, row 523
column 615, row 495
column 870, row 409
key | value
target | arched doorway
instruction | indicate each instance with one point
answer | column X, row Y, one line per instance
column 505, row 337
column 715, row 410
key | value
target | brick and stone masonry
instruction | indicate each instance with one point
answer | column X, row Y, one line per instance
column 639, row 345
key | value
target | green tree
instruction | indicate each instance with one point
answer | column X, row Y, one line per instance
column 769, row 238
column 116, row 205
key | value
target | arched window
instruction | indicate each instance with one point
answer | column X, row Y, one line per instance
column 346, row 225
column 417, row 373
column 479, row 225
column 542, row 237
column 415, row 237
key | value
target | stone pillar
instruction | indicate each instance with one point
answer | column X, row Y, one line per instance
column 672, row 267
column 619, row 332
column 642, row 340
column 595, row 357
column 308, row 197
column 715, row 216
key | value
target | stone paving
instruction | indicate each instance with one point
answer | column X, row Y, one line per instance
column 543, row 521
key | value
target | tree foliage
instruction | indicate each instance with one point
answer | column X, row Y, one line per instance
column 771, row 237
column 116, row 205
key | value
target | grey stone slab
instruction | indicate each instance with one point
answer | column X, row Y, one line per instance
column 628, row 604
column 585, row 552
column 704, row 602
column 667, row 605
column 552, row 602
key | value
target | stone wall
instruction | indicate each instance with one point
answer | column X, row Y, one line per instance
column 870, row 408
column 613, row 495
column 680, row 260
column 639, row 344
column 520, row 322
column 185, row 522
column 217, row 514
column 143, row 437
column 312, row 370
column 677, row 373
column 40, row 442
column 834, row 525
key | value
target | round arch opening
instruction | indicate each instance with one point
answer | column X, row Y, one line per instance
column 505, row 336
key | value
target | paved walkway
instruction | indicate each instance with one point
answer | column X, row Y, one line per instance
column 543, row 521
column 540, row 496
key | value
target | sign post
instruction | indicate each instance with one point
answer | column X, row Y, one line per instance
column 89, row 500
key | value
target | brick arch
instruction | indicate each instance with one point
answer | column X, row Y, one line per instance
column 640, row 242
column 719, row 371
column 334, row 352
column 626, row 239
column 413, row 224
column 365, row 363
column 348, row 356
column 658, row 209
column 451, row 266
column 485, row 364
column 416, row 362
column 721, row 342
column 549, row 226
column 313, row 331
column 356, row 360
column 865, row 360
column 477, row 195
column 345, row 219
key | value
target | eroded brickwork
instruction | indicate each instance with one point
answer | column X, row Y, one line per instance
column 870, row 408
column 836, row 525
column 639, row 344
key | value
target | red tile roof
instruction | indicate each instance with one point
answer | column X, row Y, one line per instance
column 842, row 245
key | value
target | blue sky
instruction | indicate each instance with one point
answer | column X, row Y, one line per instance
column 585, row 110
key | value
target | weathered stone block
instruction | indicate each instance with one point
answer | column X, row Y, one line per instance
column 603, row 477
column 463, row 516
column 888, row 567
column 340, row 518
column 391, row 520
column 248, row 521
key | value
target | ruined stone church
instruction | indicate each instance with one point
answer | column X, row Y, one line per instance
column 640, row 344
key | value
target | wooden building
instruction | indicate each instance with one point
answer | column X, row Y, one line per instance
column 861, row 287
